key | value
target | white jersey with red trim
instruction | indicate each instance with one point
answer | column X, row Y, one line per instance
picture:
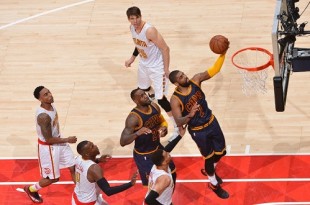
column 150, row 55
column 54, row 122
column 85, row 191
column 165, row 197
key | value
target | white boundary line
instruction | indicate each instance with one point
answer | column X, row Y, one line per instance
column 182, row 181
column 44, row 13
column 190, row 155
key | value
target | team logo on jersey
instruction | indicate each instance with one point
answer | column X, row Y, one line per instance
column 47, row 170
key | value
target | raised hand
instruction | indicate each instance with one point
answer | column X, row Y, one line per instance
column 134, row 178
column 72, row 139
column 104, row 158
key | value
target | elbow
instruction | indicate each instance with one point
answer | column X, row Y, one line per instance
column 122, row 143
column 147, row 201
column 108, row 193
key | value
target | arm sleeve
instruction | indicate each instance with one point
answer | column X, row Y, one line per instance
column 212, row 71
column 169, row 147
column 105, row 187
column 163, row 121
column 151, row 198
column 135, row 52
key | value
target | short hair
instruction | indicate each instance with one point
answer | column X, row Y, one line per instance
column 37, row 90
column 133, row 92
column 80, row 147
column 173, row 76
column 133, row 11
column 157, row 157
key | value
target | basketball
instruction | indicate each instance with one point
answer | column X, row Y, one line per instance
column 219, row 44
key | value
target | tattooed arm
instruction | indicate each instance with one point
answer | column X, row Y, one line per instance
column 45, row 124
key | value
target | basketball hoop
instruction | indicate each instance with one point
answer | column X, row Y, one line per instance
column 252, row 63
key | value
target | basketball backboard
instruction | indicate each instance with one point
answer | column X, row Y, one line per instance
column 287, row 58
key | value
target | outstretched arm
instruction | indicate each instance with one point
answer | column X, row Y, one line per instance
column 153, row 35
column 171, row 145
column 95, row 174
column 210, row 72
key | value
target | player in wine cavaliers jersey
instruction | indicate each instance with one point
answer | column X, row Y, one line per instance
column 189, row 106
column 144, row 126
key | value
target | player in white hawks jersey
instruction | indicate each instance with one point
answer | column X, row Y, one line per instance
column 89, row 177
column 161, row 186
column 154, row 60
column 54, row 151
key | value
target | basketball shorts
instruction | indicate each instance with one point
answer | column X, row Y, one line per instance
column 99, row 201
column 153, row 76
column 210, row 140
column 145, row 164
column 52, row 158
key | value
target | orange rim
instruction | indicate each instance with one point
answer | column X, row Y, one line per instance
column 258, row 68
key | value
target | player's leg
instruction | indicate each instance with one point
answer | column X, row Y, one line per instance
column 49, row 168
column 144, row 81
column 218, row 142
column 203, row 139
column 66, row 160
column 144, row 165
column 161, row 86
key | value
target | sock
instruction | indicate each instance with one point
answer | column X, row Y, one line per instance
column 213, row 180
column 35, row 188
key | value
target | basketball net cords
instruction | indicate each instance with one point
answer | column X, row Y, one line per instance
column 254, row 82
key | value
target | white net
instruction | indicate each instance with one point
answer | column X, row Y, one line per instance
column 254, row 80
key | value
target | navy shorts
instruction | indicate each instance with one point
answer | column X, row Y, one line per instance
column 145, row 164
column 210, row 140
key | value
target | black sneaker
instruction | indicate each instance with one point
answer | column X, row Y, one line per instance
column 219, row 191
column 34, row 196
column 218, row 179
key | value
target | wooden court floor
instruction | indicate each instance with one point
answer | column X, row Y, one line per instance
column 77, row 49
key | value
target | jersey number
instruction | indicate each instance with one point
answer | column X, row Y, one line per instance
column 142, row 53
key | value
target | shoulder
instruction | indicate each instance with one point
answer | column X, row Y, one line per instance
column 156, row 106
column 164, row 180
column 43, row 117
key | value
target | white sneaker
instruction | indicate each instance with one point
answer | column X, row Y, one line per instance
column 151, row 96
column 174, row 134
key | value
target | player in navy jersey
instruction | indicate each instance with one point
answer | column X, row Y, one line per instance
column 145, row 126
column 189, row 106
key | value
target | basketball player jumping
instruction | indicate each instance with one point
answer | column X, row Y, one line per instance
column 189, row 106
column 53, row 150
column 154, row 60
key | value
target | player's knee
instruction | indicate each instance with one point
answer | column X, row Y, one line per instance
column 55, row 180
column 218, row 157
column 164, row 103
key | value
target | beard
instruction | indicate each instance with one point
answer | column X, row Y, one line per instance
column 186, row 84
